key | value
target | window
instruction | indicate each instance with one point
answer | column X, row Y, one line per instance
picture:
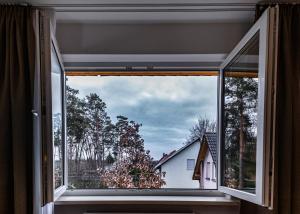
column 208, row 170
column 213, row 172
column 190, row 164
column 137, row 131
column 243, row 120
column 57, row 120
column 240, row 119
column 140, row 132
column 52, row 103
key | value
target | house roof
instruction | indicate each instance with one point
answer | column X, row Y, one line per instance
column 208, row 143
column 172, row 154
column 211, row 138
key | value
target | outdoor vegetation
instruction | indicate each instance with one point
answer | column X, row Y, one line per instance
column 107, row 154
column 103, row 154
column 240, row 120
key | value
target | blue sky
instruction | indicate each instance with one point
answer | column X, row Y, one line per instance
column 166, row 106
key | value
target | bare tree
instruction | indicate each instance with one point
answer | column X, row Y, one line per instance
column 203, row 125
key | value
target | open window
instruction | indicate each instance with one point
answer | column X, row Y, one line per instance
column 244, row 123
column 54, row 167
column 58, row 121
column 244, row 164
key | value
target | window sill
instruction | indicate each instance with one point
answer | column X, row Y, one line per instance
column 175, row 200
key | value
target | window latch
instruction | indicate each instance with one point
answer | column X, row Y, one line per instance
column 35, row 113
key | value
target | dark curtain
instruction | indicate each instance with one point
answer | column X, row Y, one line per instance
column 17, row 66
column 288, row 109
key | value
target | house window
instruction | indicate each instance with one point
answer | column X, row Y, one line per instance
column 208, row 170
column 124, row 130
column 190, row 164
column 213, row 172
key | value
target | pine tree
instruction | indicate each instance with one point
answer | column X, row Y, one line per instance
column 240, row 122
column 98, row 121
column 97, row 147
column 77, row 129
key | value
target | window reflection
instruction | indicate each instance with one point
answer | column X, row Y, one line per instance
column 240, row 119
column 57, row 136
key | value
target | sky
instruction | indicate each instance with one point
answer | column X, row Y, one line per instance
column 166, row 106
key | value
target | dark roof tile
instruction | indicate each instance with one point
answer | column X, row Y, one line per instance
column 212, row 144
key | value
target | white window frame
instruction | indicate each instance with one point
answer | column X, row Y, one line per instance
column 60, row 190
column 163, row 64
column 46, row 45
column 260, row 25
column 265, row 28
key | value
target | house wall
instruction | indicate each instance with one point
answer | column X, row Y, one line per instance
column 177, row 175
column 146, row 208
column 208, row 184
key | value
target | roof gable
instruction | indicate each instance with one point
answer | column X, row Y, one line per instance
column 163, row 160
column 211, row 138
column 208, row 143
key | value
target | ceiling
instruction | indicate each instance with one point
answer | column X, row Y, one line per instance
column 150, row 11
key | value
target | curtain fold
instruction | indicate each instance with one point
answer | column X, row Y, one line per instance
column 17, row 67
column 287, row 109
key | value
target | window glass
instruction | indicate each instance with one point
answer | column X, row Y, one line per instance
column 57, row 128
column 190, row 164
column 141, row 132
column 213, row 171
column 240, row 119
column 208, row 170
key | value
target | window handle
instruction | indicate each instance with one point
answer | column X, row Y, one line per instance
column 35, row 113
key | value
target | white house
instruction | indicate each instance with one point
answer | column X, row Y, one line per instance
column 178, row 166
column 205, row 169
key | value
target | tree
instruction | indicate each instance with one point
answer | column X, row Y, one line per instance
column 240, row 122
column 133, row 167
column 99, row 148
column 77, row 128
column 99, row 131
column 203, row 125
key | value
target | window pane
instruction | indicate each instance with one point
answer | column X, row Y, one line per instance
column 137, row 131
column 208, row 170
column 240, row 119
column 56, row 84
column 190, row 164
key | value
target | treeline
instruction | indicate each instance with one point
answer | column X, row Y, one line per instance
column 103, row 154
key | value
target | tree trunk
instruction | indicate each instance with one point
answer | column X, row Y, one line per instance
column 241, row 153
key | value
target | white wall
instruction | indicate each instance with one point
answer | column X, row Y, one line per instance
column 209, row 184
column 201, row 38
column 146, row 208
column 177, row 175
